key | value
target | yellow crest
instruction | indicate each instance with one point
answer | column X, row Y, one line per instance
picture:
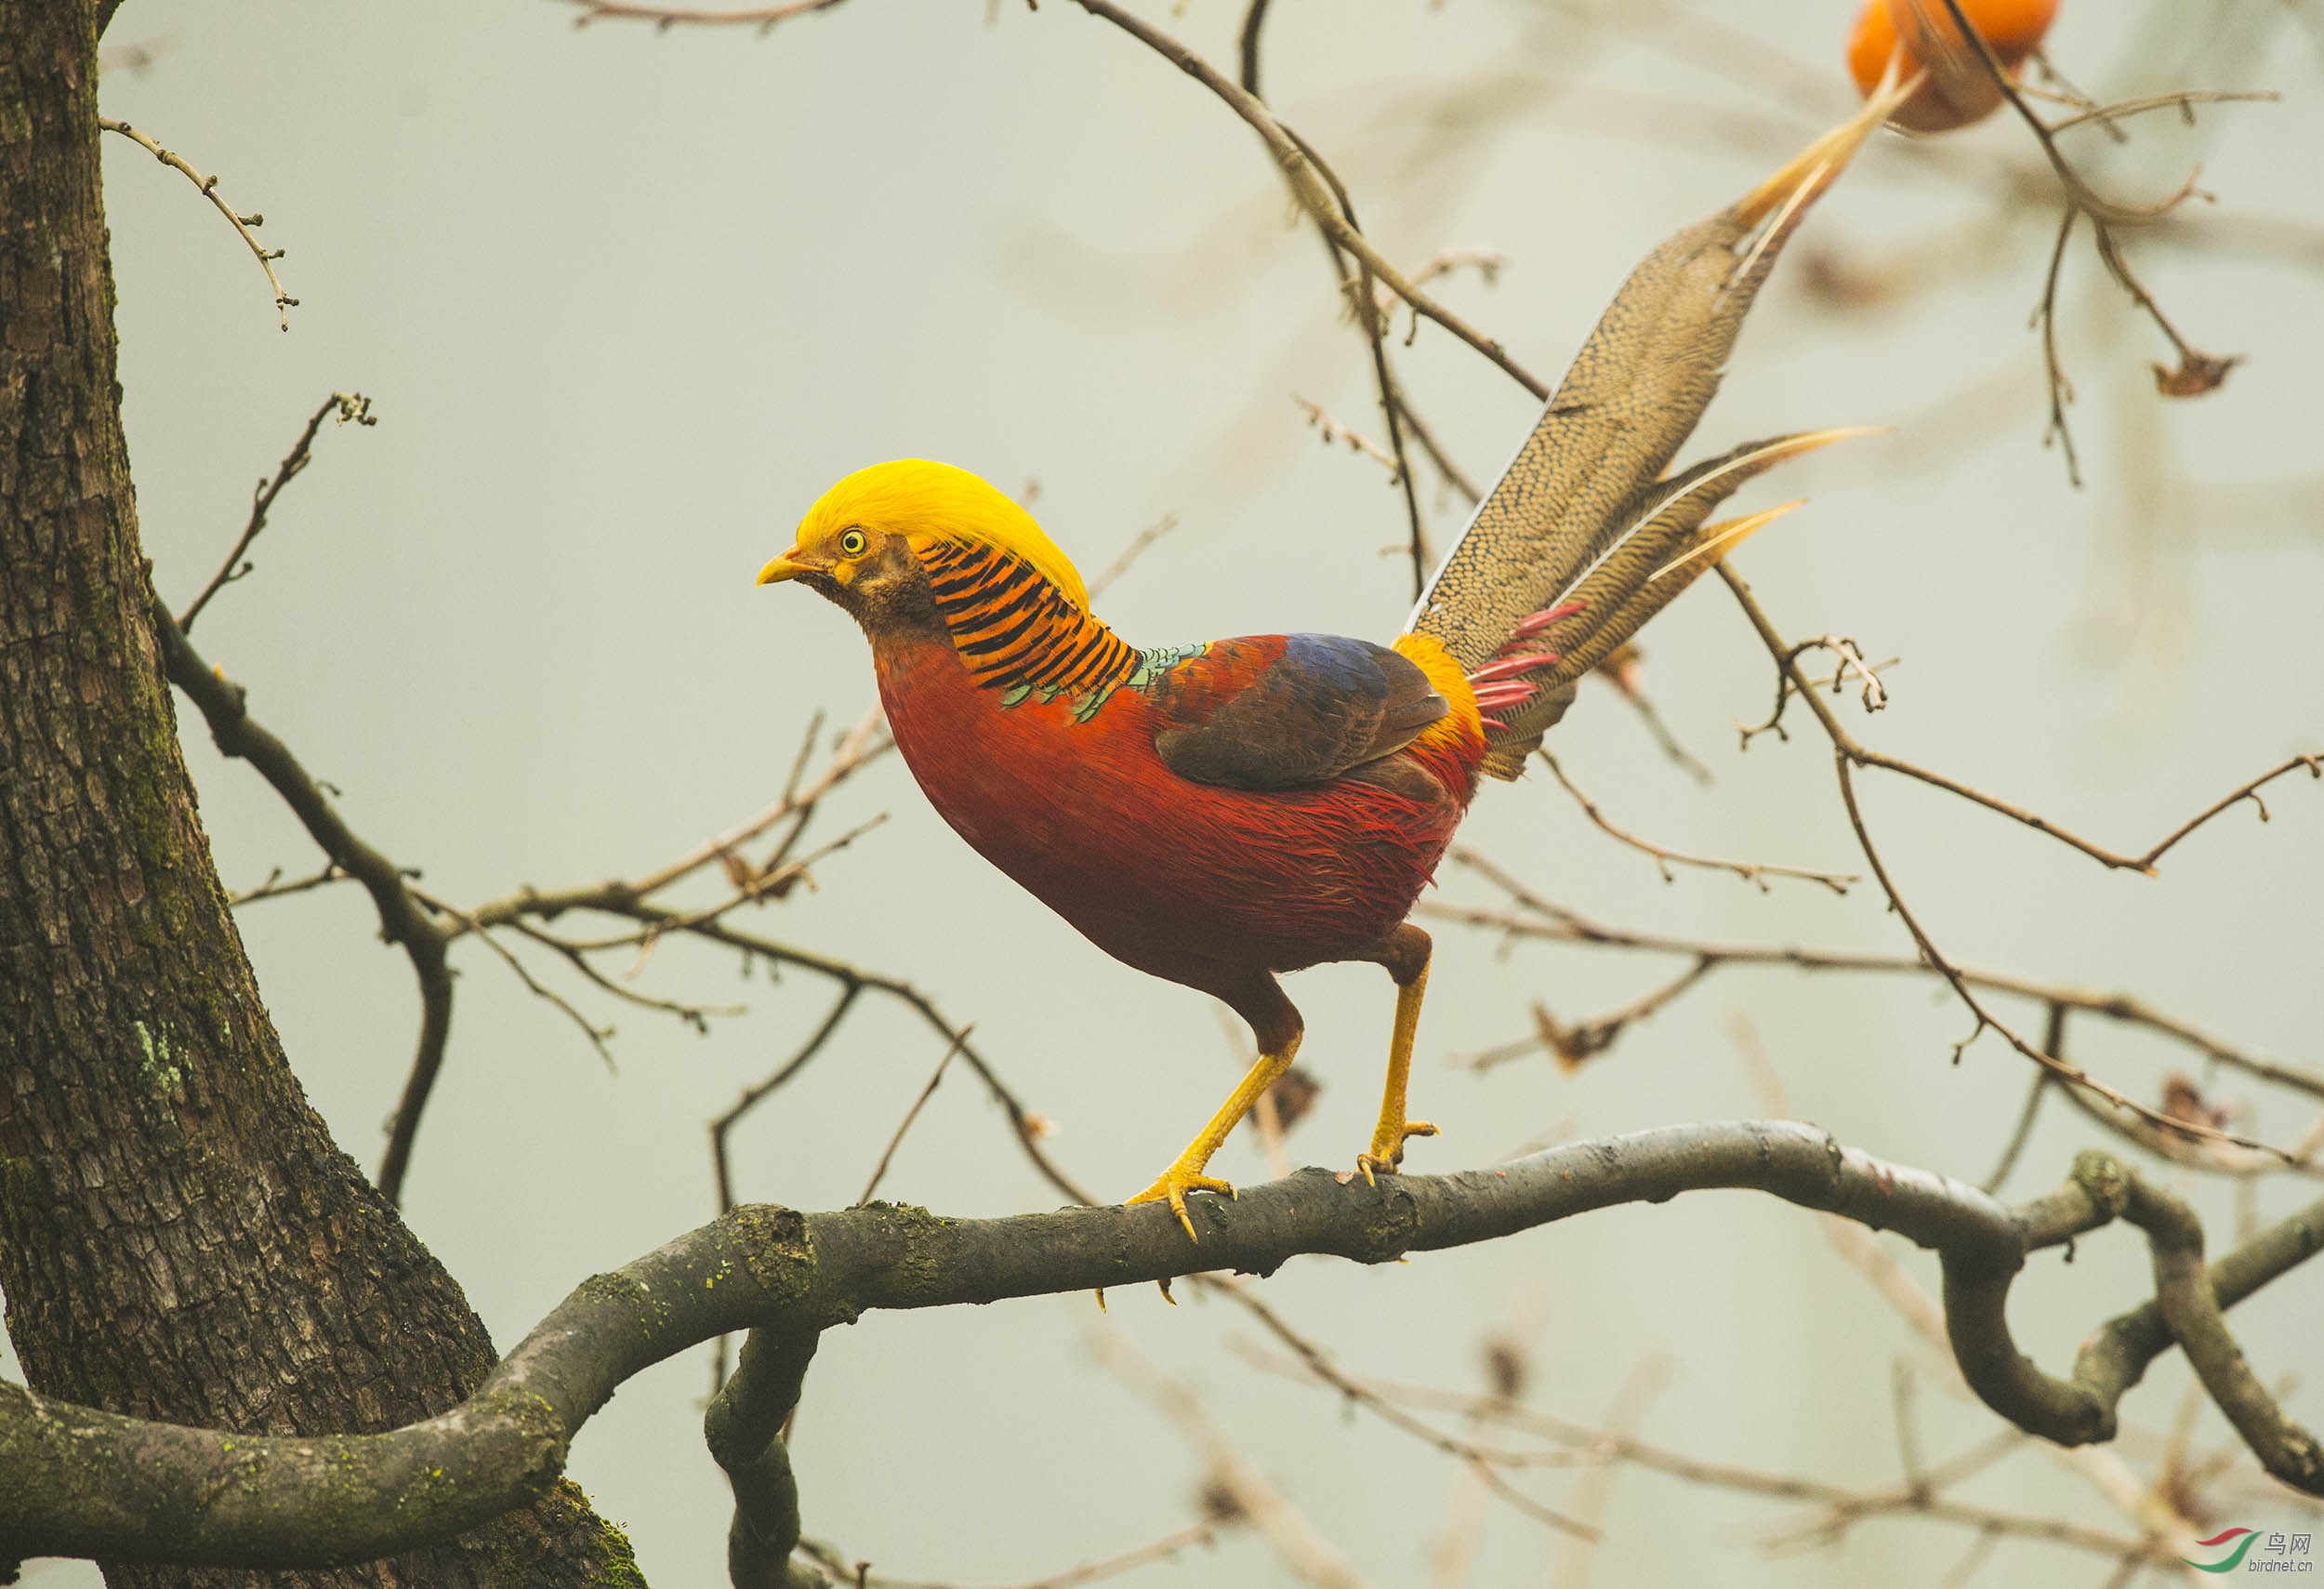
column 927, row 502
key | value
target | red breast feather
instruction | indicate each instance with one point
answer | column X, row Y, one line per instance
column 1195, row 882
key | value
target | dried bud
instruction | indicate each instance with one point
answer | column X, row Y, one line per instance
column 2182, row 1100
column 1571, row 1046
column 1220, row 1502
column 1505, row 1368
column 1294, row 1094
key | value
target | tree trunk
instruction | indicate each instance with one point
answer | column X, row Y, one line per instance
column 179, row 1237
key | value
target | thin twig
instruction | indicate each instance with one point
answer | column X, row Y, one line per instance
column 2056, row 1065
column 763, row 18
column 1611, row 1445
column 1485, row 1462
column 888, row 1153
column 1854, row 752
column 1307, row 184
column 2178, row 98
column 1562, row 924
column 351, row 408
column 1296, row 1542
column 1572, row 1046
column 244, row 225
column 1639, row 1389
column 599, row 1037
column 2043, row 1082
column 1356, row 287
column 2103, row 211
column 2046, row 317
column 753, row 1096
column 722, row 1163
column 1756, row 872
column 694, row 1015
column 275, row 888
column 1139, row 545
column 402, row 920
column 1167, row 1548
column 1320, row 421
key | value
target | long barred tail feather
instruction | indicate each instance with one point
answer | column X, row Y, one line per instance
column 1586, row 534
column 1655, row 557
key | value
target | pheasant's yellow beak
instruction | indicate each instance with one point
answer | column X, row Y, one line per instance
column 788, row 566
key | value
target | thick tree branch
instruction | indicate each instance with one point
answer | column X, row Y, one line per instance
column 77, row 1481
column 225, row 706
column 744, row 1428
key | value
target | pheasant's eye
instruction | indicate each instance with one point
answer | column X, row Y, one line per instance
column 853, row 542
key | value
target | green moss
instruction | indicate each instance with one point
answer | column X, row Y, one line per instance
column 163, row 1080
column 613, row 1286
column 2104, row 1179
column 619, row 1568
column 775, row 1249
column 621, row 1291
column 429, row 1493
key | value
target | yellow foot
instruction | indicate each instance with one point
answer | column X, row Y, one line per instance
column 1388, row 1149
column 1172, row 1187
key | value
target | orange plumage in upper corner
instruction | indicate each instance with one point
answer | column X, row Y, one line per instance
column 1220, row 814
column 1958, row 87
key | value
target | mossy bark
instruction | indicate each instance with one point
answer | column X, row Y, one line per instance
column 179, row 1237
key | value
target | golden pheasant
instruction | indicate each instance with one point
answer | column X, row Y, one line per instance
column 1220, row 814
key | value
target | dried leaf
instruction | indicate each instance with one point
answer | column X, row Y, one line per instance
column 2198, row 372
column 1294, row 1094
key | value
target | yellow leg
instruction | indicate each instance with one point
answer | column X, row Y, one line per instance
column 1186, row 1174
column 1388, row 1137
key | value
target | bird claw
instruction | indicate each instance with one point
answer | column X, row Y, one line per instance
column 1173, row 1186
column 1387, row 1151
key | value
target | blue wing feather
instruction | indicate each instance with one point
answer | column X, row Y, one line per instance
column 1279, row 711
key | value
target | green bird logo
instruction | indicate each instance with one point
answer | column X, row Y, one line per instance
column 2234, row 1558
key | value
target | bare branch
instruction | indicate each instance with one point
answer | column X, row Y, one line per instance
column 1167, row 1548
column 2052, row 1041
column 1852, row 751
column 1544, row 919
column 1755, row 872
column 1331, row 430
column 1573, row 1046
column 275, row 887
column 403, row 921
column 1302, row 171
column 351, row 408
column 887, row 1154
column 244, row 225
column 1252, row 1496
column 1139, row 545
column 1485, row 1462
column 766, row 18
column 287, row 1501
